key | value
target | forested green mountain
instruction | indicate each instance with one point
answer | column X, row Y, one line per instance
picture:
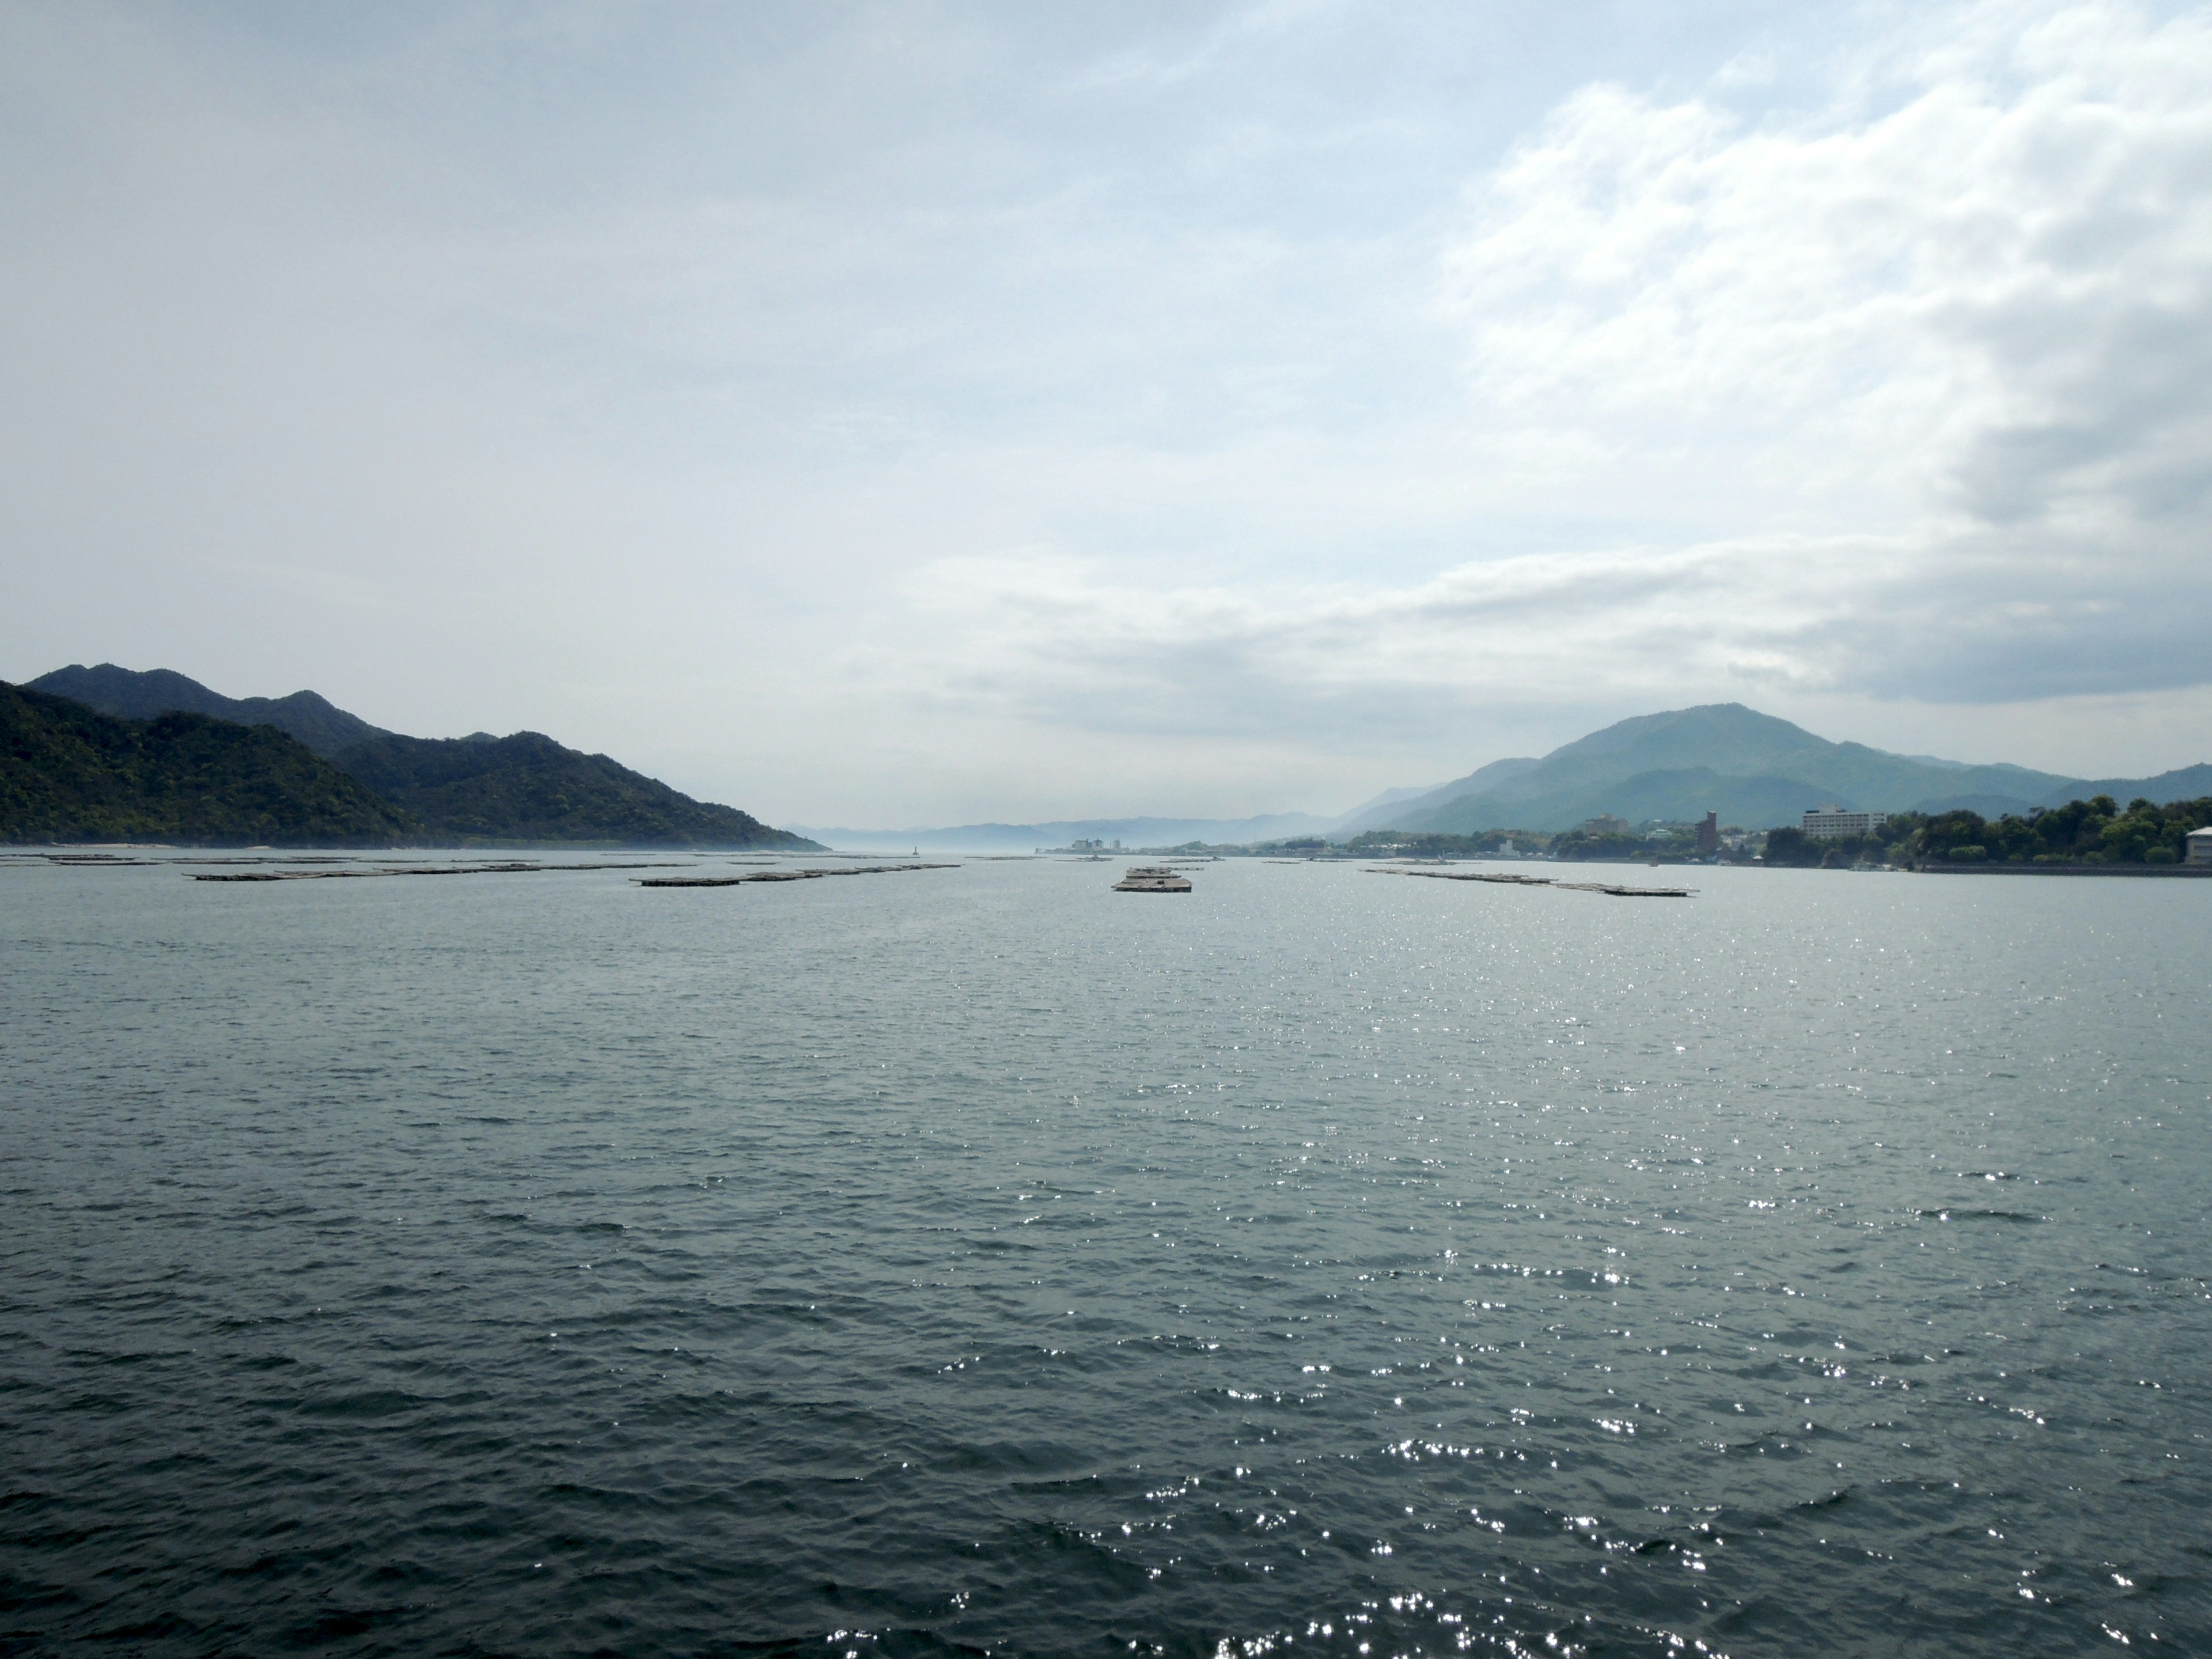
column 476, row 790
column 314, row 719
column 526, row 788
column 1753, row 768
column 70, row 773
column 479, row 791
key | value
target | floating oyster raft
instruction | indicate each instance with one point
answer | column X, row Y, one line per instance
column 1614, row 889
column 1152, row 879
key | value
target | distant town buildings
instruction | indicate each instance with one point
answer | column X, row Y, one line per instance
column 1827, row 823
column 2200, row 845
column 1605, row 824
column 1709, row 836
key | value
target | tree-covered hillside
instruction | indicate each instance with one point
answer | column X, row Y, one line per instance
column 70, row 773
column 481, row 791
column 133, row 695
column 527, row 788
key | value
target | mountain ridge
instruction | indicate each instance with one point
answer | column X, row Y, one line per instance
column 138, row 695
column 526, row 788
column 70, row 773
column 1649, row 766
column 479, row 790
column 1751, row 767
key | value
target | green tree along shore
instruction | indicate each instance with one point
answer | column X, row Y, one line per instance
column 2095, row 831
column 1375, row 843
column 2098, row 830
column 1676, row 844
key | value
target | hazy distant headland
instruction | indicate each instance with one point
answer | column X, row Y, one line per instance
column 1751, row 769
column 1132, row 832
column 108, row 754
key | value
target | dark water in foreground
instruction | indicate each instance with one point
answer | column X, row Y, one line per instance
column 980, row 1260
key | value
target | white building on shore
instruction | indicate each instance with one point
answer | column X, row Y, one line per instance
column 1827, row 823
column 2200, row 845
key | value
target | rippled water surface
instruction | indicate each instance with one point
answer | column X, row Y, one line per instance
column 979, row 1259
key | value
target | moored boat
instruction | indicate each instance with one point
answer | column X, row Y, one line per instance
column 1152, row 879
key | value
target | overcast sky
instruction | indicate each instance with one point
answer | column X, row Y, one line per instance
column 920, row 413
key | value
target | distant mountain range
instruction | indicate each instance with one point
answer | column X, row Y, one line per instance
column 156, row 756
column 1753, row 769
column 1062, row 832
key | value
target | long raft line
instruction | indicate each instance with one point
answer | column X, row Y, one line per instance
column 785, row 875
column 1613, row 890
column 414, row 869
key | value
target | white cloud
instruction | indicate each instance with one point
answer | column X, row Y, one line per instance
column 1221, row 409
column 1015, row 631
column 1977, row 281
column 1920, row 382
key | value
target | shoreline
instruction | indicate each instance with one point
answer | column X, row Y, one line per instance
column 2198, row 872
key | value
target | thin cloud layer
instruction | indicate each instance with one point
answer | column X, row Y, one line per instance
column 1927, row 366
column 868, row 416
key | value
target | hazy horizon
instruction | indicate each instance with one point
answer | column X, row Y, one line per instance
column 969, row 414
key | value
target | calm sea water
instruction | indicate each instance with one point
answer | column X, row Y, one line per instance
column 980, row 1260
